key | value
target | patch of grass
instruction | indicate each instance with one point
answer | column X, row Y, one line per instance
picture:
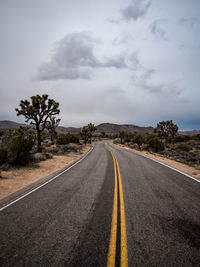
column 32, row 166
column 28, row 166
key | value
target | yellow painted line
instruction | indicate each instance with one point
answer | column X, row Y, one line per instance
column 124, row 254
column 113, row 235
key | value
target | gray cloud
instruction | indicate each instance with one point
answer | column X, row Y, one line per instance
column 123, row 60
column 118, row 62
column 167, row 89
column 157, row 29
column 188, row 21
column 136, row 10
column 73, row 58
column 133, row 57
column 115, row 91
column 148, row 74
column 122, row 39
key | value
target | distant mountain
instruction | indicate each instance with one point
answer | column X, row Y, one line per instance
column 11, row 125
column 62, row 129
column 111, row 128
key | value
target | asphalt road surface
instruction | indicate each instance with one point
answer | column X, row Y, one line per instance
column 114, row 208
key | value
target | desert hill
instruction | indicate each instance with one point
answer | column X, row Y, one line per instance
column 11, row 124
column 111, row 128
column 108, row 128
column 73, row 130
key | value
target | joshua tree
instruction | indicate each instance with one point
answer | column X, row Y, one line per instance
column 122, row 135
column 38, row 111
column 91, row 129
column 138, row 139
column 51, row 126
column 166, row 129
column 85, row 134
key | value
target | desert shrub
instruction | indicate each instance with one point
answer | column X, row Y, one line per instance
column 196, row 137
column 61, row 139
column 19, row 149
column 103, row 135
column 44, row 135
column 132, row 145
column 127, row 139
column 64, row 139
column 193, row 153
column 154, row 143
column 181, row 138
column 7, row 138
column 69, row 148
column 1, row 132
column 74, row 139
column 3, row 155
column 138, row 139
column 112, row 136
column 183, row 147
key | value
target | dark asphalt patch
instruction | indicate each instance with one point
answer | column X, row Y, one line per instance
column 186, row 229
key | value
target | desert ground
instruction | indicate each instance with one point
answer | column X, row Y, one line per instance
column 16, row 179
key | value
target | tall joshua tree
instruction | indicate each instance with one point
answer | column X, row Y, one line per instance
column 38, row 111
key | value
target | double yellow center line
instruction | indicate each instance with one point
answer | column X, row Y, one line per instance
column 118, row 208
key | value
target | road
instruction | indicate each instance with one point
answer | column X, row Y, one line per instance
column 114, row 208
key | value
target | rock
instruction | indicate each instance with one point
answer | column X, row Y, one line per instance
column 48, row 155
column 52, row 149
column 5, row 167
column 37, row 157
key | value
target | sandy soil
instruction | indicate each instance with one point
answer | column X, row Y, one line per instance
column 193, row 171
column 16, row 179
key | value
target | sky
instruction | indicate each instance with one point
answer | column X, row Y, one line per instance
column 126, row 62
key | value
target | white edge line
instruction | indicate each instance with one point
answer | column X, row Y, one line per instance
column 163, row 164
column 50, row 180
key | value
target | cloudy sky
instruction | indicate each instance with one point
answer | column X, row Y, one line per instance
column 131, row 61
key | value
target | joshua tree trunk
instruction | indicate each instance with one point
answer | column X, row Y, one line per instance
column 39, row 146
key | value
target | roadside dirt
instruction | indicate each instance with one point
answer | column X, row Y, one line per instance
column 193, row 171
column 16, row 179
